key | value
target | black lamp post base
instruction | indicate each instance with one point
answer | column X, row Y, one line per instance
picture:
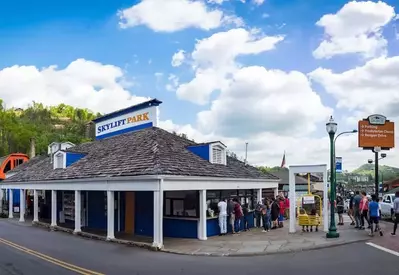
column 332, row 235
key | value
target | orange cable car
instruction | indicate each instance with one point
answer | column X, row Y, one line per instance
column 11, row 161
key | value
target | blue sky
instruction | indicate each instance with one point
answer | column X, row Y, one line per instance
column 43, row 33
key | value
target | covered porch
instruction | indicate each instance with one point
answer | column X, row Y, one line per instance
column 138, row 208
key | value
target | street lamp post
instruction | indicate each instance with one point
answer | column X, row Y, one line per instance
column 331, row 128
column 376, row 176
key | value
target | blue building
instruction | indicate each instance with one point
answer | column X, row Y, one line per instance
column 139, row 179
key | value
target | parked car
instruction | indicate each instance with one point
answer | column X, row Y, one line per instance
column 387, row 206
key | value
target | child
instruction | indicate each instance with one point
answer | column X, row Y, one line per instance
column 374, row 214
column 378, row 228
column 267, row 216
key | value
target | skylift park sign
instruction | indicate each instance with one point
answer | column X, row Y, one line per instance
column 376, row 132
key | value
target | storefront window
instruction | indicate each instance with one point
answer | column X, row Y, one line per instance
column 181, row 204
column 243, row 196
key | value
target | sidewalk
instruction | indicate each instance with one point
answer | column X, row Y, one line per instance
column 250, row 243
column 256, row 242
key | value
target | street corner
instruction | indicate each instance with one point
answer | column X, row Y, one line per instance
column 258, row 243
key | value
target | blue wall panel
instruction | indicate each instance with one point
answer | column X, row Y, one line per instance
column 177, row 228
column 200, row 150
column 15, row 196
column 73, row 157
column 212, row 227
column 144, row 221
column 97, row 214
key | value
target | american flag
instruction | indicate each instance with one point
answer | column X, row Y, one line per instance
column 283, row 161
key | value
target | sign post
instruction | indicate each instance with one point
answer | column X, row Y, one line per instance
column 376, row 133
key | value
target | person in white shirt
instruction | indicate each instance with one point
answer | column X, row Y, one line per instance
column 222, row 205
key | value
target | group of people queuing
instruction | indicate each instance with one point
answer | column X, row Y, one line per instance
column 366, row 209
column 268, row 213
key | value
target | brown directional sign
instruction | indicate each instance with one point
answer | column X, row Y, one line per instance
column 376, row 135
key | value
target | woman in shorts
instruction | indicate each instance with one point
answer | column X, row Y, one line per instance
column 340, row 210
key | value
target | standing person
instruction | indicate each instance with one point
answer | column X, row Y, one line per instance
column 350, row 209
column 373, row 210
column 364, row 210
column 396, row 211
column 275, row 210
column 282, row 212
column 340, row 210
column 245, row 212
column 238, row 215
column 356, row 209
column 258, row 213
column 230, row 212
column 287, row 207
column 222, row 205
column 266, row 211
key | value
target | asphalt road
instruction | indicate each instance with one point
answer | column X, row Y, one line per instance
column 98, row 257
column 14, row 261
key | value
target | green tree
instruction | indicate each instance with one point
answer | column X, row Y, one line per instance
column 45, row 124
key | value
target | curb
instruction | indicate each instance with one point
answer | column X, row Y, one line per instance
column 94, row 236
column 283, row 251
column 200, row 254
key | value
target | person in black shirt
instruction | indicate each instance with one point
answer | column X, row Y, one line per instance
column 245, row 212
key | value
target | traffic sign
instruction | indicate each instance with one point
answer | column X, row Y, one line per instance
column 376, row 131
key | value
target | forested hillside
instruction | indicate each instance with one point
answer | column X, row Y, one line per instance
column 45, row 124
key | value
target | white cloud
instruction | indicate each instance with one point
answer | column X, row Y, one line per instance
column 365, row 90
column 173, row 15
column 355, row 28
column 372, row 88
column 178, row 58
column 82, row 83
column 173, row 83
column 258, row 2
column 214, row 60
column 258, row 100
column 267, row 148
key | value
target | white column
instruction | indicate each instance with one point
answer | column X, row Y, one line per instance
column 158, row 219
column 22, row 205
column 259, row 198
column 78, row 206
column 35, row 206
column 202, row 233
column 325, row 201
column 275, row 192
column 53, row 207
column 10, row 206
column 110, row 215
column 259, row 194
column 292, row 202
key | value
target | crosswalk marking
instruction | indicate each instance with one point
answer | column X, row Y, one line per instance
column 384, row 249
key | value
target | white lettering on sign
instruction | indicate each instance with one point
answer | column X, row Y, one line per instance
column 127, row 121
column 308, row 200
